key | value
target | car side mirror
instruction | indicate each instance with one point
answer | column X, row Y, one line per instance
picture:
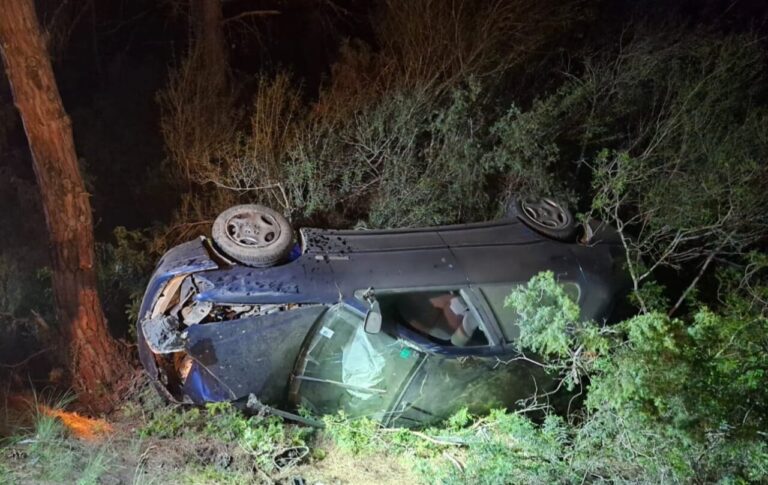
column 373, row 319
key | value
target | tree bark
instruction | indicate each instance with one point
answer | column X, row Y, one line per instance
column 210, row 44
column 95, row 360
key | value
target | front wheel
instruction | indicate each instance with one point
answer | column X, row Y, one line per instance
column 254, row 235
column 546, row 216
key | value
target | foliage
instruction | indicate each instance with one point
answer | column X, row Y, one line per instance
column 430, row 147
column 414, row 112
column 261, row 437
column 448, row 151
column 123, row 268
column 168, row 422
column 551, row 326
column 672, row 114
column 356, row 436
column 523, row 150
column 668, row 399
column 499, row 448
column 46, row 454
column 512, row 448
column 547, row 315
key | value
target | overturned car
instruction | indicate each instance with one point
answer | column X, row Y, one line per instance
column 404, row 326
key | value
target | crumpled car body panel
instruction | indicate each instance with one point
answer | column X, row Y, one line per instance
column 252, row 355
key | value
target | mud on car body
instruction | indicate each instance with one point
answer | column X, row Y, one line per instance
column 405, row 326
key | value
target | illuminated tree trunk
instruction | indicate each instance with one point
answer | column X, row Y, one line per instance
column 95, row 360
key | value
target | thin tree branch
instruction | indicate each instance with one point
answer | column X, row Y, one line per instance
column 22, row 362
column 690, row 287
column 252, row 13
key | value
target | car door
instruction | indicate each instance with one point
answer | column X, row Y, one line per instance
column 441, row 385
column 445, row 382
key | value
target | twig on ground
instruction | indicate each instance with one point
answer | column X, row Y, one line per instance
column 431, row 439
column 22, row 362
column 459, row 465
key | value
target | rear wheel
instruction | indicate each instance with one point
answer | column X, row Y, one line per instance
column 546, row 216
column 254, row 235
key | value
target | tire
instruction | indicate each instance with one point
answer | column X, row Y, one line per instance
column 546, row 216
column 254, row 235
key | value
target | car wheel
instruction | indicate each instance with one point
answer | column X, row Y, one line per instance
column 546, row 216
column 253, row 235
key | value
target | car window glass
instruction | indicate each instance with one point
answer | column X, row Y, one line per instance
column 442, row 316
column 442, row 386
column 348, row 369
column 508, row 318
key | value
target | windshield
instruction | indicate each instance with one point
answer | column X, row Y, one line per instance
column 348, row 369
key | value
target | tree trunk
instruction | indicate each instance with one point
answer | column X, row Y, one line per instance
column 96, row 362
column 209, row 42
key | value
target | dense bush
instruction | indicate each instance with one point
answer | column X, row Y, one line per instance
column 668, row 399
column 416, row 111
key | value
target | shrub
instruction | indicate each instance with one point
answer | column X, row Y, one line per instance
column 671, row 129
column 408, row 114
column 668, row 399
column 356, row 436
column 124, row 266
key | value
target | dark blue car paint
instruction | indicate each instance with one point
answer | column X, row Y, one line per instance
column 246, row 360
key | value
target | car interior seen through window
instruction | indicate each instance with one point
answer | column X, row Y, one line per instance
column 444, row 317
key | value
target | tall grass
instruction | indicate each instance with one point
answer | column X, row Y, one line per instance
column 42, row 450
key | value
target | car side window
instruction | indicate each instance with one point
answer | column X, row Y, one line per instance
column 508, row 318
column 442, row 316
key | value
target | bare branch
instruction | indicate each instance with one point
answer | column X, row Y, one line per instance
column 251, row 13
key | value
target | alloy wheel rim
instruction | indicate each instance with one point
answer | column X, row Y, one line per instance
column 252, row 229
column 546, row 213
